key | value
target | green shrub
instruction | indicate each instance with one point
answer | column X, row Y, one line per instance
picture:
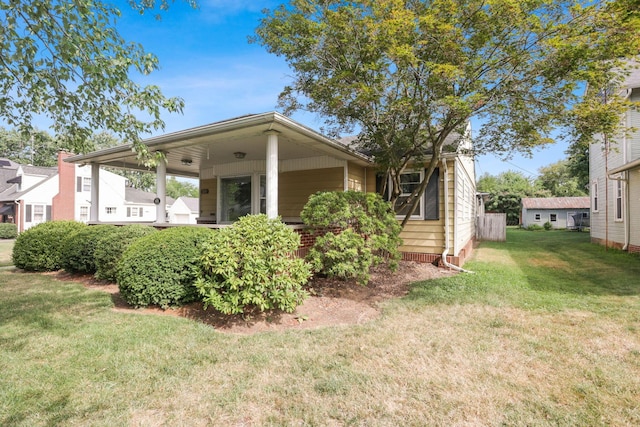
column 251, row 265
column 161, row 268
column 547, row 226
column 344, row 255
column 374, row 233
column 79, row 247
column 534, row 227
column 39, row 248
column 109, row 248
column 8, row 231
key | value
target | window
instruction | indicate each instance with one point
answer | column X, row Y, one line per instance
column 38, row 213
column 84, row 213
column 263, row 194
column 83, row 184
column 618, row 200
column 537, row 217
column 594, row 195
column 235, row 198
column 409, row 181
column 110, row 210
column 553, row 217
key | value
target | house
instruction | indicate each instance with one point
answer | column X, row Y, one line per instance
column 614, row 177
column 185, row 210
column 268, row 163
column 560, row 212
column 30, row 195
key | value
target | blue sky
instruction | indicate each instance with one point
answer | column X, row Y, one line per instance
column 205, row 59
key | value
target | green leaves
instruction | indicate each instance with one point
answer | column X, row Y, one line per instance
column 66, row 61
column 252, row 265
column 408, row 74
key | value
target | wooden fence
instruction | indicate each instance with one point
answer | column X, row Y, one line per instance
column 492, row 227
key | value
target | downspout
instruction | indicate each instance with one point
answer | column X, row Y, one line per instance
column 17, row 217
column 625, row 155
column 446, row 222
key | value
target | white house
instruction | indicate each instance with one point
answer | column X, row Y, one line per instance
column 185, row 210
column 614, row 175
column 30, row 195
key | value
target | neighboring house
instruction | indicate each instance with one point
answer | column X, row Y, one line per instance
column 560, row 212
column 30, row 195
column 614, row 176
column 185, row 210
column 268, row 163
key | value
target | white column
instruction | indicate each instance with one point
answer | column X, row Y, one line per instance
column 161, row 191
column 272, row 174
column 94, row 211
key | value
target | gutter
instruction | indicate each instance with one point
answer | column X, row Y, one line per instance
column 446, row 222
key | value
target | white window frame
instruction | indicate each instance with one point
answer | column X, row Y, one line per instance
column 594, row 196
column 537, row 217
column 110, row 210
column 256, row 193
column 41, row 214
column 619, row 201
column 553, row 217
column 86, row 183
column 419, row 212
column 84, row 213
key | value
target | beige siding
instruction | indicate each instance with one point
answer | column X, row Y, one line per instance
column 465, row 191
column 208, row 201
column 356, row 177
column 296, row 187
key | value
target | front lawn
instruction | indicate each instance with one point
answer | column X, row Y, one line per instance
column 546, row 332
column 6, row 246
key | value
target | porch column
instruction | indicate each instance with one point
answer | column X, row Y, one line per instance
column 94, row 211
column 272, row 174
column 161, row 191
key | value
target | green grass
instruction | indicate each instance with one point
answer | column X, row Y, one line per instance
column 547, row 332
column 6, row 246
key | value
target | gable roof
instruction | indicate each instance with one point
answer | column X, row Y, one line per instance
column 556, row 203
column 9, row 178
column 135, row 195
column 193, row 203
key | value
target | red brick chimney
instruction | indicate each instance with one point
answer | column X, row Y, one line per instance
column 64, row 202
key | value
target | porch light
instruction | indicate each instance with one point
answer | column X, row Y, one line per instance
column 187, row 162
column 239, row 154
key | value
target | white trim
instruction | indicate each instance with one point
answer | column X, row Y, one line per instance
column 419, row 214
column 272, row 175
column 94, row 212
column 345, row 183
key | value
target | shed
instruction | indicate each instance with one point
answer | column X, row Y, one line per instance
column 560, row 212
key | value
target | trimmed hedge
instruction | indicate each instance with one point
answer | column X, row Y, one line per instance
column 161, row 268
column 251, row 265
column 371, row 233
column 109, row 249
column 8, row 231
column 79, row 247
column 39, row 248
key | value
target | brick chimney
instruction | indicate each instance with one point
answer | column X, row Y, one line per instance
column 64, row 202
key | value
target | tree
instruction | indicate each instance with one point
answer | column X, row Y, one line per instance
column 410, row 74
column 177, row 188
column 506, row 191
column 66, row 60
column 38, row 149
column 559, row 180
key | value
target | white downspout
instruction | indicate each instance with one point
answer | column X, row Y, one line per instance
column 625, row 155
column 446, row 222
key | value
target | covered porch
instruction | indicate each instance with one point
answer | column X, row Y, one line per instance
column 262, row 163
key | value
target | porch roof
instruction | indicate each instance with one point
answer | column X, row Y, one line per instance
column 191, row 150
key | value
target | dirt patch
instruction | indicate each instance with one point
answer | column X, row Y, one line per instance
column 331, row 302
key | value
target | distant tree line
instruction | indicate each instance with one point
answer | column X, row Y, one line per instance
column 565, row 178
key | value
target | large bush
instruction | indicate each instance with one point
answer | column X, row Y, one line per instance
column 251, row 265
column 161, row 268
column 361, row 231
column 109, row 248
column 40, row 247
column 8, row 231
column 79, row 247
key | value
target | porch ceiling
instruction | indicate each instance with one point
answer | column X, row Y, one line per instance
column 216, row 144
